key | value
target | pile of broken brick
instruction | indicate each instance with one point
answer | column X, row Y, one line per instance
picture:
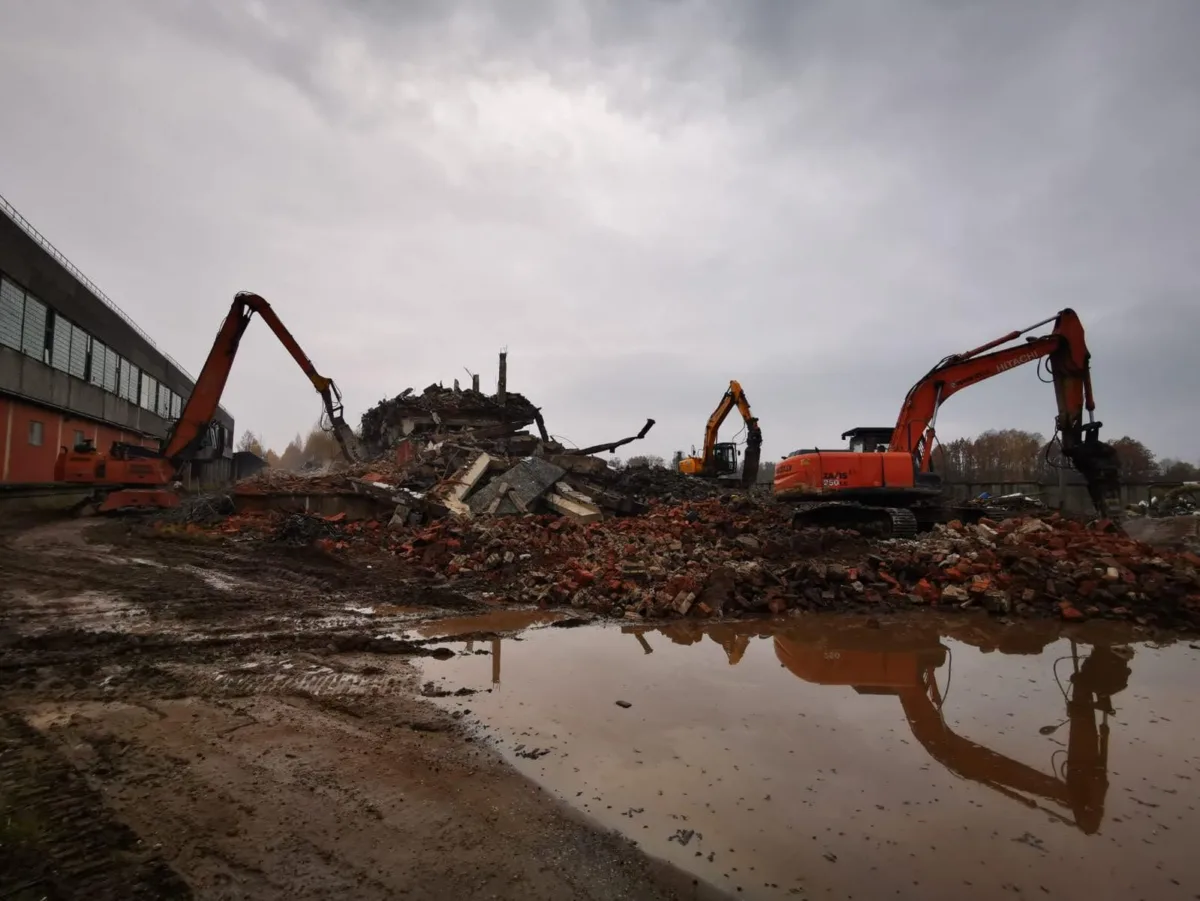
column 731, row 558
column 721, row 558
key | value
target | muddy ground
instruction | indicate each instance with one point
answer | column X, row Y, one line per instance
column 183, row 720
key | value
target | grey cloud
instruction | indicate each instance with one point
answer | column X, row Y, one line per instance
column 641, row 199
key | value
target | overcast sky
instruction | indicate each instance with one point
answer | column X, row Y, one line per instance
column 641, row 200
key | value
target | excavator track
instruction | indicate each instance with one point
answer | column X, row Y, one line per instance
column 893, row 522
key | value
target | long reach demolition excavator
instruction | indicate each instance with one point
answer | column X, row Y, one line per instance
column 885, row 479
column 133, row 476
column 720, row 459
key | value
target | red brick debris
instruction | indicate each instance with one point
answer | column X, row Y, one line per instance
column 730, row 557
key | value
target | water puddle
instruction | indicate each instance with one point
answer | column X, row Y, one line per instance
column 845, row 758
column 498, row 621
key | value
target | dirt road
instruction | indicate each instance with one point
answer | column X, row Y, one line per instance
column 182, row 720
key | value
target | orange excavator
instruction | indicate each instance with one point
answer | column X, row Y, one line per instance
column 720, row 459
column 134, row 476
column 885, row 480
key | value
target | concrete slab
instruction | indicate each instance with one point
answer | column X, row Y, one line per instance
column 577, row 507
column 522, row 484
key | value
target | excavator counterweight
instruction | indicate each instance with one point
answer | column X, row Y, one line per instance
column 719, row 459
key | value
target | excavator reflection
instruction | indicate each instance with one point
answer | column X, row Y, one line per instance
column 905, row 663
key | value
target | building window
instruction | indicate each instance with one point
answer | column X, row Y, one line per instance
column 80, row 438
column 129, row 382
column 112, row 366
column 149, row 393
column 176, row 406
column 12, row 312
column 95, row 366
column 60, row 344
column 35, row 433
column 33, row 333
column 79, row 352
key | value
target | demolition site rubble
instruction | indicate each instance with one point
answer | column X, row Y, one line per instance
column 466, row 498
column 460, row 453
column 738, row 557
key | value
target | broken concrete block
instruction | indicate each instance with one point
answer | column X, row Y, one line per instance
column 525, row 483
column 400, row 516
column 955, row 594
column 468, row 477
column 579, row 463
column 565, row 500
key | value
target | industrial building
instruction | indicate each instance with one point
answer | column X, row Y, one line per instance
column 73, row 367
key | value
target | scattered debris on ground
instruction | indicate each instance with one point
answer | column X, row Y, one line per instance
column 737, row 556
column 1181, row 500
column 464, row 496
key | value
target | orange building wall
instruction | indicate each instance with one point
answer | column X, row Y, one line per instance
column 21, row 461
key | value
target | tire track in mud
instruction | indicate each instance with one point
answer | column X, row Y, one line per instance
column 58, row 838
column 317, row 685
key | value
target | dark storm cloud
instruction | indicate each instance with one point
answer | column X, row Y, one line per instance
column 643, row 199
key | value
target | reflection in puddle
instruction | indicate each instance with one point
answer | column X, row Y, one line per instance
column 835, row 755
column 492, row 621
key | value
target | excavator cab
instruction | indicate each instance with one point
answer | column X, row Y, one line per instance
column 725, row 458
column 868, row 439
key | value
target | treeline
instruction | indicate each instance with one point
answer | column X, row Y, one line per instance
column 318, row 447
column 1012, row 455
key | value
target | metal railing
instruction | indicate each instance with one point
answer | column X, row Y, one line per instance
column 27, row 227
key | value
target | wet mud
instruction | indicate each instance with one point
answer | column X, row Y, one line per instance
column 183, row 720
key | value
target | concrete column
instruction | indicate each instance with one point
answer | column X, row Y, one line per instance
column 502, row 382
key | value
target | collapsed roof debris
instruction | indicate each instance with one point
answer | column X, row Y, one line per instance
column 439, row 409
column 462, row 453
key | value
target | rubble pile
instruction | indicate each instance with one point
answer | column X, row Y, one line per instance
column 466, row 497
column 713, row 559
column 1047, row 565
column 736, row 557
column 668, row 485
column 460, row 453
column 439, row 409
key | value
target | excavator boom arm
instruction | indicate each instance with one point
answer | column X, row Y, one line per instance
column 188, row 432
column 1069, row 361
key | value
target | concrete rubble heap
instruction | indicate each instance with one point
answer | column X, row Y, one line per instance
column 439, row 409
column 460, row 453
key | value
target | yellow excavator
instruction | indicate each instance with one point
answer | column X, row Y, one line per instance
column 720, row 459
column 904, row 662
